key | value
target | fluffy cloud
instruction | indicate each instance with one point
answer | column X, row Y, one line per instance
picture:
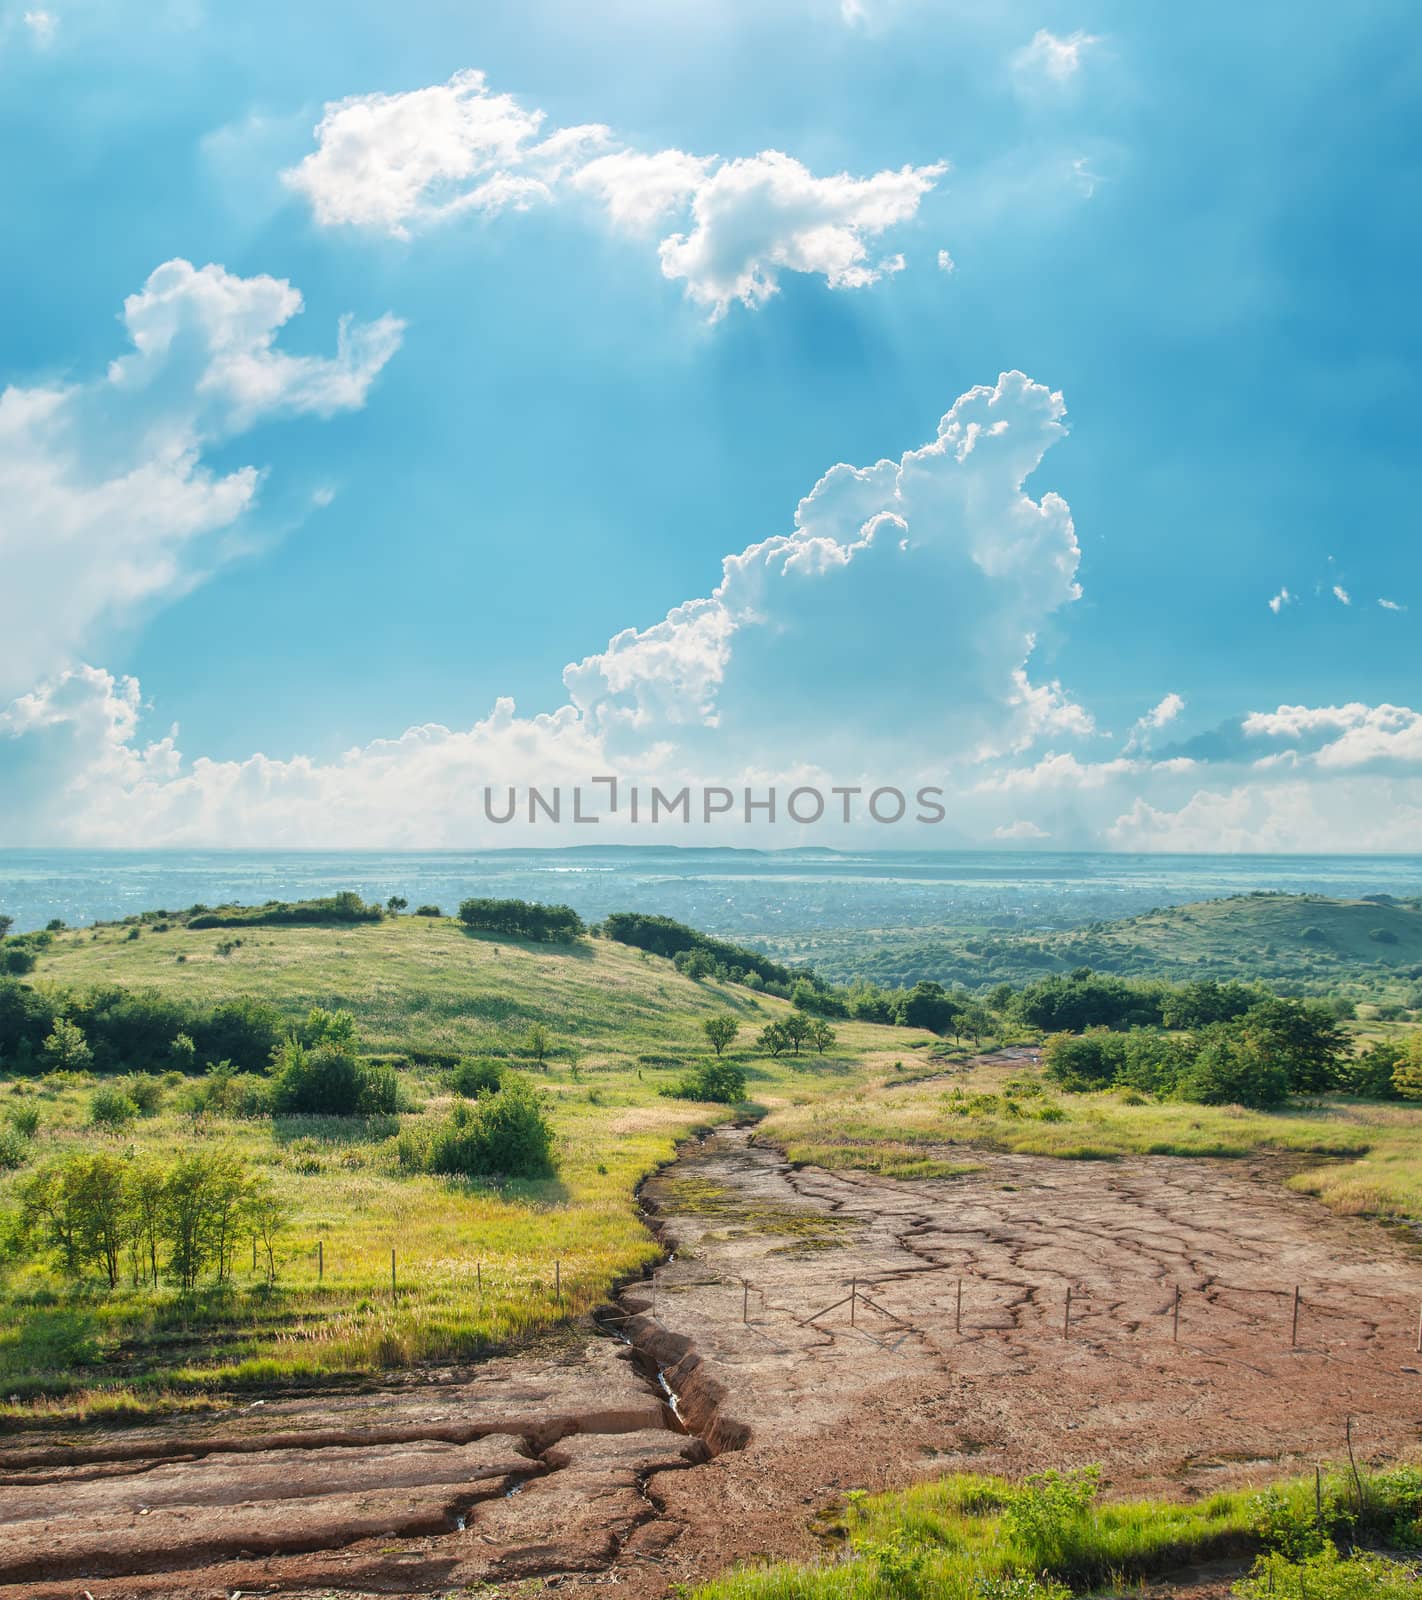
column 1280, row 600
column 754, row 219
column 640, row 190
column 385, row 160
column 1336, row 738
column 932, row 572
column 1051, row 59
column 1391, row 605
column 1278, row 818
column 396, row 161
column 1341, row 595
column 110, row 504
column 1018, row 832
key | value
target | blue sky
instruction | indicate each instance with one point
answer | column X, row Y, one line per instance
column 1198, row 226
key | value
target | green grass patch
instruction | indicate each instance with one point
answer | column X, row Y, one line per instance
column 970, row 1537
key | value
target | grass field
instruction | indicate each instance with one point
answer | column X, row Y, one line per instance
column 1370, row 1153
column 475, row 1266
column 970, row 1537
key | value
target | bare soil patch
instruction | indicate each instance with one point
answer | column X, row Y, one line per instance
column 572, row 1467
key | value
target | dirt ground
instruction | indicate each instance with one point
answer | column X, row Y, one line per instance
column 572, row 1469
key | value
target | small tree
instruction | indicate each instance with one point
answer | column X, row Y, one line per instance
column 182, row 1055
column 822, row 1036
column 267, row 1214
column 798, row 1030
column 396, row 904
column 773, row 1039
column 720, row 1031
column 1407, row 1075
column 66, row 1049
column 535, row 1043
column 6, row 923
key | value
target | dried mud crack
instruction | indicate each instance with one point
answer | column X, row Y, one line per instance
column 583, row 1470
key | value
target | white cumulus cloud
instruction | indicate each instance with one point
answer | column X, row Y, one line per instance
column 395, row 162
column 933, row 571
column 754, row 219
column 111, row 505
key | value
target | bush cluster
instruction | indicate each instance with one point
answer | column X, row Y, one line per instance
column 522, row 919
column 1258, row 1058
column 504, row 1134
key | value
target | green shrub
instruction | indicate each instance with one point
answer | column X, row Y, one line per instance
column 1049, row 1517
column 506, row 1134
column 146, row 1092
column 25, row 1120
column 111, row 1108
column 472, row 1078
column 328, row 1081
column 720, row 1082
column 1330, row 1576
column 14, row 1148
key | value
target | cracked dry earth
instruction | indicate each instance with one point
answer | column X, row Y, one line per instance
column 573, row 1469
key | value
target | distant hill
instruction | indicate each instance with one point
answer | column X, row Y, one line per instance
column 1309, row 943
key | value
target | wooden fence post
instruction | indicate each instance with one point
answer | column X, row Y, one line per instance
column 1066, row 1320
column 745, row 1300
column 1294, row 1334
column 1175, row 1330
column 853, row 1299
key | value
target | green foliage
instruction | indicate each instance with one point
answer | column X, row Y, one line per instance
column 720, row 1031
column 821, row 1035
column 1049, row 1517
column 506, row 1134
column 25, row 1120
column 328, row 1081
column 663, row 936
column 66, row 1049
column 522, row 919
column 14, row 1148
column 719, row 1082
column 110, row 1108
column 474, row 1077
column 145, row 1090
column 343, row 908
column 536, row 1043
column 1328, row 1575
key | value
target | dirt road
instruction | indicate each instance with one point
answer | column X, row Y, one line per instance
column 571, row 1468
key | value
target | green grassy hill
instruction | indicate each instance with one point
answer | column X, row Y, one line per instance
column 1308, row 943
column 476, row 1261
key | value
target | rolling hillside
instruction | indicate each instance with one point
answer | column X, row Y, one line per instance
column 1371, row 948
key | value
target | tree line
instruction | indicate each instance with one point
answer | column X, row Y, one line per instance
column 522, row 919
column 145, row 1220
column 1257, row 1058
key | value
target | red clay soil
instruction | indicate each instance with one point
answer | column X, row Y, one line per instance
column 570, row 1468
